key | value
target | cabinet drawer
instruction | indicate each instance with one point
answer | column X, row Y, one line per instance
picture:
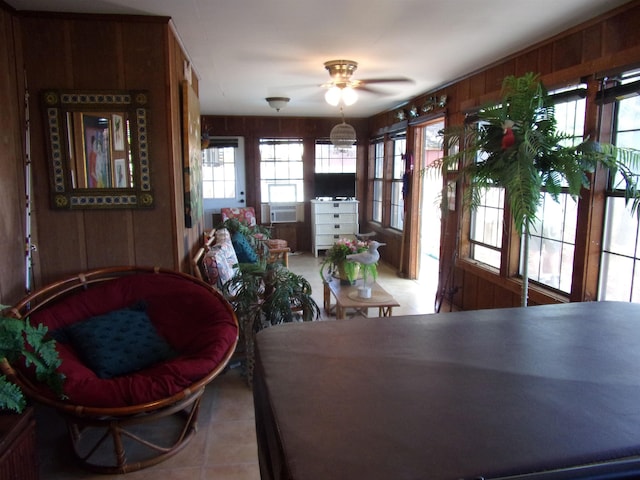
column 336, row 207
column 335, row 228
column 335, row 218
column 326, row 241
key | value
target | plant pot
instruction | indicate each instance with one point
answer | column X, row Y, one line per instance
column 348, row 272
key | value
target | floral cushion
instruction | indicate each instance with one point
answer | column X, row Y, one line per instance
column 246, row 215
column 222, row 262
column 211, row 271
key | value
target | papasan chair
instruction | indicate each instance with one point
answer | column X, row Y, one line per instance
column 138, row 346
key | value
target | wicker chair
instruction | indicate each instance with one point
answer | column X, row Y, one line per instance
column 104, row 415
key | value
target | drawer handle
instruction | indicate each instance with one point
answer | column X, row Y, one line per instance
column 336, row 205
column 336, row 236
column 336, row 215
column 336, row 226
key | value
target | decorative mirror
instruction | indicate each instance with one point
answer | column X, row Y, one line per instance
column 98, row 147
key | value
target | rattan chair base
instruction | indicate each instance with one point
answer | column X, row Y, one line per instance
column 112, row 446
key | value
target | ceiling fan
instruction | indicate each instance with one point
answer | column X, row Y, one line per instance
column 342, row 87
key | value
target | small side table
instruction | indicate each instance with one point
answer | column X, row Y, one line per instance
column 347, row 297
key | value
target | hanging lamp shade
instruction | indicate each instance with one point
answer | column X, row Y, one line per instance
column 343, row 135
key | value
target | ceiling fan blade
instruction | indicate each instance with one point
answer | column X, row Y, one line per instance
column 376, row 91
column 386, row 80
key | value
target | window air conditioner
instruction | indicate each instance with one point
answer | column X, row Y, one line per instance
column 283, row 213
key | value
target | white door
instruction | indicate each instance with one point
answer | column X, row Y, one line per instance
column 223, row 176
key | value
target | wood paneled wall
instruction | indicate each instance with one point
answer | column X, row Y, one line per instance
column 92, row 52
column 12, row 209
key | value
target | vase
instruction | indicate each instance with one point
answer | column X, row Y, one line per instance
column 348, row 272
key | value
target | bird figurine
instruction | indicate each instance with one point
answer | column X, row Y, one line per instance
column 508, row 137
column 370, row 257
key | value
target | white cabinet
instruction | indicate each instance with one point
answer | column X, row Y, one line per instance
column 331, row 220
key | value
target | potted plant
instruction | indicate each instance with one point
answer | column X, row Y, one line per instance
column 22, row 342
column 336, row 262
column 265, row 295
column 525, row 154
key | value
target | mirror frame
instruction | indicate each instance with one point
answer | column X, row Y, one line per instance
column 57, row 105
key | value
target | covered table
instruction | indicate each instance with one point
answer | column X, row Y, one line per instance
column 543, row 392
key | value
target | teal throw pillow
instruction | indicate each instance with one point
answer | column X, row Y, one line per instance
column 244, row 251
column 117, row 343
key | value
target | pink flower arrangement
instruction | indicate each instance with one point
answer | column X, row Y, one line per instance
column 337, row 255
column 343, row 247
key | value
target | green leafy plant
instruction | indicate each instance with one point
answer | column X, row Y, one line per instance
column 254, row 234
column 265, row 295
column 21, row 341
column 336, row 256
column 517, row 146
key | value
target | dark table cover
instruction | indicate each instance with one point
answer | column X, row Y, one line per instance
column 488, row 393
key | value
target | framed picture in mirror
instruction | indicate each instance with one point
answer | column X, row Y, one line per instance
column 98, row 149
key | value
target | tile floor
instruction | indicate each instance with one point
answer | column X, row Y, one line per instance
column 225, row 446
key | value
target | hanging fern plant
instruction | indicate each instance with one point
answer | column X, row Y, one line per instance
column 518, row 147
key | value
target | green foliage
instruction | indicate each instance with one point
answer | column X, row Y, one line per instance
column 11, row 397
column 269, row 295
column 253, row 234
column 21, row 341
column 539, row 158
column 337, row 255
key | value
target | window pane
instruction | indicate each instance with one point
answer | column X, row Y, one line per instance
column 379, row 160
column 218, row 172
column 330, row 159
column 485, row 255
column 554, row 238
column 377, row 201
column 397, row 198
column 281, row 170
column 628, row 114
column 486, row 227
column 617, row 275
column 376, row 184
column 621, row 228
column 397, row 206
column 620, row 244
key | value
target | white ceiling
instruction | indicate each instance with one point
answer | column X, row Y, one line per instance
column 246, row 50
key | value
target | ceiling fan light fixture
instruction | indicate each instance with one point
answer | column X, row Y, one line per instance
column 277, row 102
column 333, row 96
column 349, row 96
column 337, row 94
column 341, row 70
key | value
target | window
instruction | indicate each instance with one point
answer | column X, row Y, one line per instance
column 219, row 169
column 397, row 183
column 378, row 176
column 552, row 240
column 485, row 236
column 486, row 225
column 330, row 159
column 281, row 170
column 620, row 260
